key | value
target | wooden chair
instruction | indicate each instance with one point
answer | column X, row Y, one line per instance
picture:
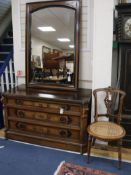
column 101, row 129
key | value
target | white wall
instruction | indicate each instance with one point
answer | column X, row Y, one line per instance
column 19, row 54
column 18, row 14
column 102, row 42
column 102, row 45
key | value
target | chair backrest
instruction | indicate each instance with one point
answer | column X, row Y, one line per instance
column 108, row 103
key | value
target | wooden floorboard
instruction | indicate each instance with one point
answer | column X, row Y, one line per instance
column 100, row 150
column 2, row 132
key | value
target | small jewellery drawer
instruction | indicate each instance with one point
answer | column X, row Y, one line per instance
column 43, row 116
column 46, row 106
column 44, row 130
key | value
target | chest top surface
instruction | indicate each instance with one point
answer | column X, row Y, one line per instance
column 82, row 96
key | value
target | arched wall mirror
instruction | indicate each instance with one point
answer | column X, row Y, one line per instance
column 52, row 44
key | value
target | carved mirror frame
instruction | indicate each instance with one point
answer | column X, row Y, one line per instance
column 32, row 7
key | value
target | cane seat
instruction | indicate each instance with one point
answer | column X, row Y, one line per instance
column 106, row 130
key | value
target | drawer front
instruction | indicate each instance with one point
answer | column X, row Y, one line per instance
column 44, row 130
column 42, row 116
column 47, row 106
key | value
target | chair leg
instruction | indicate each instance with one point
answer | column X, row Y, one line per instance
column 89, row 148
column 93, row 142
column 58, row 73
column 119, row 153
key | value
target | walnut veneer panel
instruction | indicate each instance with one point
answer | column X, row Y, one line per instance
column 43, row 116
column 51, row 118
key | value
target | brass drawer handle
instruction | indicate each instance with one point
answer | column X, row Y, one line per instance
column 65, row 119
column 19, row 102
column 20, row 114
column 65, row 133
column 20, row 125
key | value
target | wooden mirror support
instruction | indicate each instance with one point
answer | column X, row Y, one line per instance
column 52, row 57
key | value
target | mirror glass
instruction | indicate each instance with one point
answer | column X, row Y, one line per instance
column 53, row 46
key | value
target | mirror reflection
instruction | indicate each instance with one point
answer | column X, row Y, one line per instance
column 53, row 46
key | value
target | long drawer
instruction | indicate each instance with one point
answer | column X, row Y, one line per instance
column 43, row 116
column 45, row 106
column 45, row 131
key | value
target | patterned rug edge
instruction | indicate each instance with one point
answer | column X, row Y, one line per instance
column 63, row 168
column 59, row 167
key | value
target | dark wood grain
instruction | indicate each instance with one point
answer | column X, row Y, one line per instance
column 36, row 117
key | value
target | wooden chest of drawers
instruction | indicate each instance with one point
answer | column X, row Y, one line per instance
column 50, row 118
